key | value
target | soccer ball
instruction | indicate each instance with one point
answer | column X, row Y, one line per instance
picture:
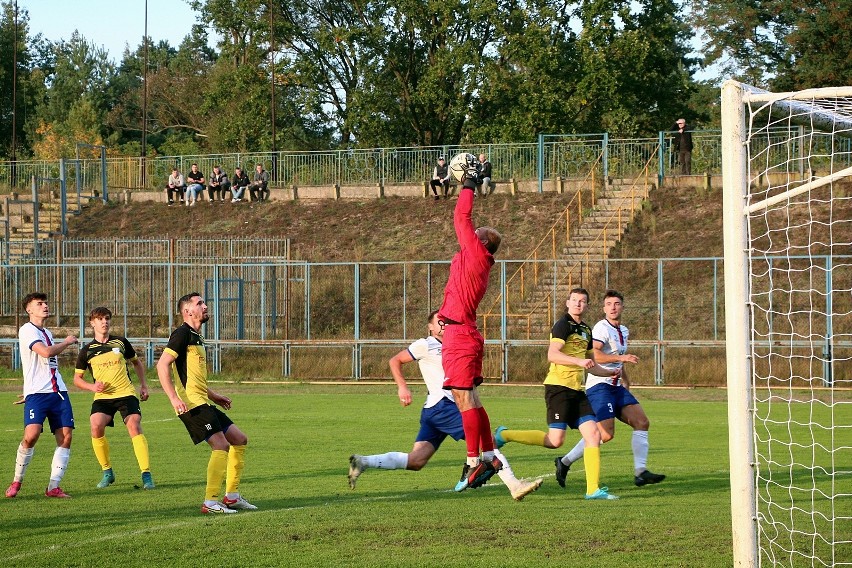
column 464, row 165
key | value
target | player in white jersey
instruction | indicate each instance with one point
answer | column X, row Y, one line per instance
column 45, row 395
column 610, row 398
column 439, row 418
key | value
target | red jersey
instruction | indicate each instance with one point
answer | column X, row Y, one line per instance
column 469, row 268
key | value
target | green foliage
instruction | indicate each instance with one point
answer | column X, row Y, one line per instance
column 14, row 49
column 410, row 72
column 789, row 44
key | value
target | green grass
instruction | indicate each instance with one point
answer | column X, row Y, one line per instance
column 300, row 439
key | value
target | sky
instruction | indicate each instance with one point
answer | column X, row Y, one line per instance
column 110, row 23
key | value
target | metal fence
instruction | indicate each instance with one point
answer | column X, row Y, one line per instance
column 343, row 321
column 551, row 156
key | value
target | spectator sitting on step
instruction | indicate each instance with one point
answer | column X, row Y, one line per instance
column 218, row 186
column 239, row 185
column 195, row 185
column 176, row 186
column 440, row 178
column 259, row 188
column 484, row 176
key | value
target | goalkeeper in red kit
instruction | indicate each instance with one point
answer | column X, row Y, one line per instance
column 463, row 345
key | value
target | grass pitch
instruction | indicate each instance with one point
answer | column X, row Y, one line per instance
column 300, row 438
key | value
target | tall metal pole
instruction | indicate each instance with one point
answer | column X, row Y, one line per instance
column 12, row 171
column 145, row 99
column 272, row 102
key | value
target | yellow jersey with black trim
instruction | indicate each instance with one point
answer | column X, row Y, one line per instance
column 576, row 340
column 107, row 362
column 189, row 369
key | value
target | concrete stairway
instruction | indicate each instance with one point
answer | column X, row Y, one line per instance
column 19, row 215
column 579, row 261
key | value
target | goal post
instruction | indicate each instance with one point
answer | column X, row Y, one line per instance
column 787, row 208
column 737, row 318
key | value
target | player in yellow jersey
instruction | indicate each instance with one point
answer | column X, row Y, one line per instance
column 106, row 357
column 571, row 357
column 182, row 370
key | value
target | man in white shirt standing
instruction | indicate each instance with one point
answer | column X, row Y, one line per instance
column 45, row 395
column 610, row 398
column 439, row 418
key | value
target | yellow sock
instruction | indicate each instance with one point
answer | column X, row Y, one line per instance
column 140, row 448
column 592, row 457
column 236, row 463
column 101, row 447
column 215, row 474
column 528, row 437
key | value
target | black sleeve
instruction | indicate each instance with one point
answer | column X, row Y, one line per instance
column 179, row 340
column 82, row 358
column 561, row 329
column 129, row 352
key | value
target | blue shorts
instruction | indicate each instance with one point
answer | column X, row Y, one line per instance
column 607, row 400
column 440, row 421
column 55, row 406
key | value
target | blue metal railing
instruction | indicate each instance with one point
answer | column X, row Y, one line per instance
column 551, row 156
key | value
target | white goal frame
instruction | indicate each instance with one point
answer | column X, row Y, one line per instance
column 737, row 206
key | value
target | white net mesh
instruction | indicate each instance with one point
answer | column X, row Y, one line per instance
column 800, row 278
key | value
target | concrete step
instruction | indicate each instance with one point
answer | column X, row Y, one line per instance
column 615, row 202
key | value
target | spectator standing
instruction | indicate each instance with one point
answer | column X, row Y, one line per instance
column 484, row 175
column 219, row 185
column 175, row 186
column 682, row 144
column 440, row 178
column 239, row 185
column 195, row 185
column 259, row 188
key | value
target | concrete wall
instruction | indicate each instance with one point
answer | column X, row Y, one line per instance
column 508, row 187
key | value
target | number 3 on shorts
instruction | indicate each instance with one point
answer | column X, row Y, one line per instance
column 609, row 405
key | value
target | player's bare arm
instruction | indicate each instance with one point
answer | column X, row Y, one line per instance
column 599, row 371
column 602, row 357
column 139, row 367
column 47, row 351
column 219, row 399
column 82, row 384
column 164, row 373
column 625, row 381
column 557, row 357
column 396, row 362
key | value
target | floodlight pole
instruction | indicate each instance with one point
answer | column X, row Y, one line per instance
column 12, row 171
column 272, row 101
column 145, row 99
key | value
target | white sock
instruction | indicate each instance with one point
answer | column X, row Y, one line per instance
column 390, row 460
column 232, row 496
column 488, row 456
column 640, row 450
column 575, row 453
column 210, row 503
column 22, row 461
column 57, row 468
column 506, row 474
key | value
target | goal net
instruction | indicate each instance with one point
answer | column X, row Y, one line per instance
column 787, row 176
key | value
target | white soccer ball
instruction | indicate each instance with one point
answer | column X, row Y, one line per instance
column 462, row 164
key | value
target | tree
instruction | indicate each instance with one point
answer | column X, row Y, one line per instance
column 782, row 44
column 14, row 51
column 820, row 47
column 607, row 65
column 76, row 78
